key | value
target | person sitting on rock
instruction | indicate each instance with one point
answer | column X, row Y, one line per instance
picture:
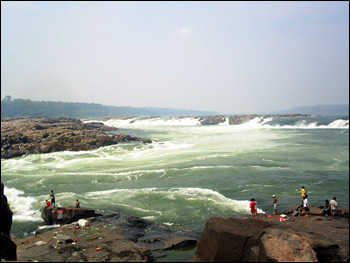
column 77, row 204
column 326, row 209
column 297, row 211
column 48, row 204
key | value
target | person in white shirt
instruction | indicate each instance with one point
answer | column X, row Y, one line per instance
column 333, row 203
column 306, row 206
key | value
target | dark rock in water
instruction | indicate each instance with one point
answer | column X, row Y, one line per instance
column 263, row 239
column 212, row 120
column 70, row 214
column 8, row 247
column 133, row 221
column 239, row 119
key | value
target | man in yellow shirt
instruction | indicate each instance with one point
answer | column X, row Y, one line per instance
column 303, row 192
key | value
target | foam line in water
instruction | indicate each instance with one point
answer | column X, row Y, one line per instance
column 187, row 194
column 152, row 121
column 255, row 123
column 303, row 124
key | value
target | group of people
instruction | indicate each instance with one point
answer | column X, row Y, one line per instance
column 60, row 210
column 253, row 206
column 53, row 201
column 329, row 208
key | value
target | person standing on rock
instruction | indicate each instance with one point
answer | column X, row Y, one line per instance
column 274, row 202
column 77, row 204
column 60, row 216
column 306, row 206
column 252, row 206
column 333, row 203
column 302, row 192
column 52, row 195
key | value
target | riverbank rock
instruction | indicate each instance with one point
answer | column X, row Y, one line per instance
column 104, row 238
column 70, row 214
column 267, row 239
column 8, row 247
column 44, row 135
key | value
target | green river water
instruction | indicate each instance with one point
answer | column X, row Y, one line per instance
column 190, row 172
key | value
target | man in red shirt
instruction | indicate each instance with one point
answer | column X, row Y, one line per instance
column 48, row 204
column 252, row 206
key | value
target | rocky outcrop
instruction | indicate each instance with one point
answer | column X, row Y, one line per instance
column 113, row 237
column 70, row 214
column 263, row 239
column 44, row 135
column 239, row 119
column 212, row 120
column 8, row 247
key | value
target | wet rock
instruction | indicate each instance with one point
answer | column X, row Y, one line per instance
column 70, row 214
column 212, row 120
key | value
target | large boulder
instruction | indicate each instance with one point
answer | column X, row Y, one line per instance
column 228, row 239
column 70, row 214
column 268, row 239
column 278, row 245
column 8, row 247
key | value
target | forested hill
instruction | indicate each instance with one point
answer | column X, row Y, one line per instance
column 324, row 110
column 27, row 108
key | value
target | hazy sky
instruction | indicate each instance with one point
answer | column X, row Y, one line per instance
column 230, row 57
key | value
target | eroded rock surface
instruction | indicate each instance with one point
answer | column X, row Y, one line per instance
column 263, row 239
column 44, row 135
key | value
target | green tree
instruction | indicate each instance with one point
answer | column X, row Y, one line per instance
column 7, row 98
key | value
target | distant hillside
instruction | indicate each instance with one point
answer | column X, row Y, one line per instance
column 324, row 110
column 27, row 108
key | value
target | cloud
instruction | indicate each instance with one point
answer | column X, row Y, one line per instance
column 185, row 31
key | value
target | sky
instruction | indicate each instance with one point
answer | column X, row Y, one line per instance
column 228, row 57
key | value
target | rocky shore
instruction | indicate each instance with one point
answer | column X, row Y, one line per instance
column 113, row 237
column 120, row 238
column 271, row 239
column 44, row 135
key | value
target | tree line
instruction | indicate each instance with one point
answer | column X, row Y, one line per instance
column 12, row 108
